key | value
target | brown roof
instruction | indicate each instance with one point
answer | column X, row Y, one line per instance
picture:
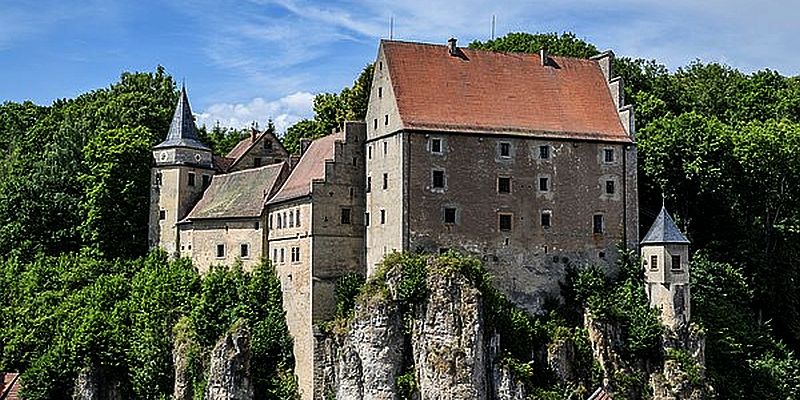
column 310, row 167
column 222, row 164
column 9, row 386
column 600, row 394
column 238, row 194
column 246, row 144
column 484, row 91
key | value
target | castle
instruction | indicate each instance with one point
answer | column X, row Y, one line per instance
column 527, row 161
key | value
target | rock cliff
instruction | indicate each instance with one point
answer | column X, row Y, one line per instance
column 229, row 369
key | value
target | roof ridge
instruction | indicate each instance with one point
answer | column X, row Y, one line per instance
column 522, row 53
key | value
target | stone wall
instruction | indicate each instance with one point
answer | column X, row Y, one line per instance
column 199, row 241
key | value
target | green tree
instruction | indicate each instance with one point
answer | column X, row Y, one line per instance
column 565, row 44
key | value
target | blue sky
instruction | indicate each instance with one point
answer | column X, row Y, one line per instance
column 249, row 60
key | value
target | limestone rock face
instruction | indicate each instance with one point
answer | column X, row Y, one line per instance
column 678, row 381
column 560, row 357
column 371, row 354
column 92, row 384
column 505, row 385
column 449, row 350
column 229, row 370
column 183, row 383
column 605, row 338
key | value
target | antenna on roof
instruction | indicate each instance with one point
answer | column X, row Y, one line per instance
column 494, row 21
column 391, row 27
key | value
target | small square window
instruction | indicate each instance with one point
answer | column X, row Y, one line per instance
column 436, row 145
column 504, row 222
column 608, row 155
column 505, row 150
column 385, row 181
column 244, row 250
column 546, row 219
column 544, row 184
column 449, row 215
column 220, row 251
column 597, row 224
column 544, row 152
column 676, row 262
column 191, row 178
column 345, row 216
column 438, row 179
column 653, row 262
column 503, row 185
column 257, row 161
column 383, row 217
column 162, row 214
column 610, row 189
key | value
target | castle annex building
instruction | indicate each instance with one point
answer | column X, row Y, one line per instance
column 527, row 161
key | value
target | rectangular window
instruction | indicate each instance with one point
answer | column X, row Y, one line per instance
column 257, row 161
column 345, row 216
column 385, row 181
column 383, row 217
column 297, row 217
column 282, row 256
column 244, row 250
column 191, row 178
column 369, row 184
column 366, row 219
column 438, row 179
column 380, row 92
column 158, row 178
column 449, row 215
column 610, row 187
column 436, row 145
column 291, row 219
column 503, row 185
column 206, row 180
column 369, row 152
column 220, row 251
column 385, row 148
column 544, row 152
column 162, row 214
column 375, row 123
column 597, row 224
column 274, row 255
column 295, row 256
column 653, row 262
column 608, row 155
column 386, row 119
column 544, row 184
column 269, row 226
column 505, row 150
column 547, row 218
column 676, row 262
column 504, row 222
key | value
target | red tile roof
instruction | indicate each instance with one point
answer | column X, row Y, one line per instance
column 310, row 167
column 9, row 386
column 221, row 164
column 240, row 194
column 493, row 92
column 600, row 394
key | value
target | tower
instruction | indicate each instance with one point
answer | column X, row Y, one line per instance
column 665, row 254
column 183, row 169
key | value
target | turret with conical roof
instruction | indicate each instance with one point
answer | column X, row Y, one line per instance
column 183, row 169
column 665, row 255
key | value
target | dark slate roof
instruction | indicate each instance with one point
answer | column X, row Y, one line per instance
column 240, row 194
column 664, row 230
column 182, row 132
column 310, row 167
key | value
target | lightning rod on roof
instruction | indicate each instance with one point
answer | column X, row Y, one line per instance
column 391, row 27
column 493, row 25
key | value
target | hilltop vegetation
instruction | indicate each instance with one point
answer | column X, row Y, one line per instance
column 77, row 287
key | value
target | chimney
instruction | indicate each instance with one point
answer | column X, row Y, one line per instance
column 304, row 143
column 253, row 134
column 451, row 46
column 543, row 56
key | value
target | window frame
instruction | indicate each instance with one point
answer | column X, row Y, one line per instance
column 191, row 179
column 220, row 246
column 383, row 216
column 346, row 216
column 505, row 150
column 674, row 257
column 385, row 180
column 598, row 229
column 606, row 152
column 546, row 181
column 440, row 174
column 654, row 262
column 612, row 185
column 438, row 142
column 244, row 251
column 500, row 180
column 544, row 152
column 446, row 212
column 500, row 217
column 549, row 217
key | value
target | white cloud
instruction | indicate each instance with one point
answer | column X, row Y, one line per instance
column 284, row 112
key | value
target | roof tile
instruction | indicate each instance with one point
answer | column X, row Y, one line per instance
column 310, row 167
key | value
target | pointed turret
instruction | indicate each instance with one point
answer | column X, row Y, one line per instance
column 664, row 231
column 182, row 132
column 665, row 255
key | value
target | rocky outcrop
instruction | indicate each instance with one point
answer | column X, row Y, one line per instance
column 683, row 374
column 505, row 386
column 93, row 384
column 229, row 369
column 606, row 339
column 560, row 359
column 183, row 380
column 448, row 340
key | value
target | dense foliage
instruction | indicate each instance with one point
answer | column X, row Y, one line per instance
column 61, row 315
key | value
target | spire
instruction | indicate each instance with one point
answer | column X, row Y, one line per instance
column 664, row 231
column 182, row 132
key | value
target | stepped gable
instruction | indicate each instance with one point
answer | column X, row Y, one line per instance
column 664, row 231
column 310, row 167
column 494, row 92
column 9, row 386
column 182, row 131
column 240, row 194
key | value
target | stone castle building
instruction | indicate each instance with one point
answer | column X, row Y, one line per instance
column 527, row 161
